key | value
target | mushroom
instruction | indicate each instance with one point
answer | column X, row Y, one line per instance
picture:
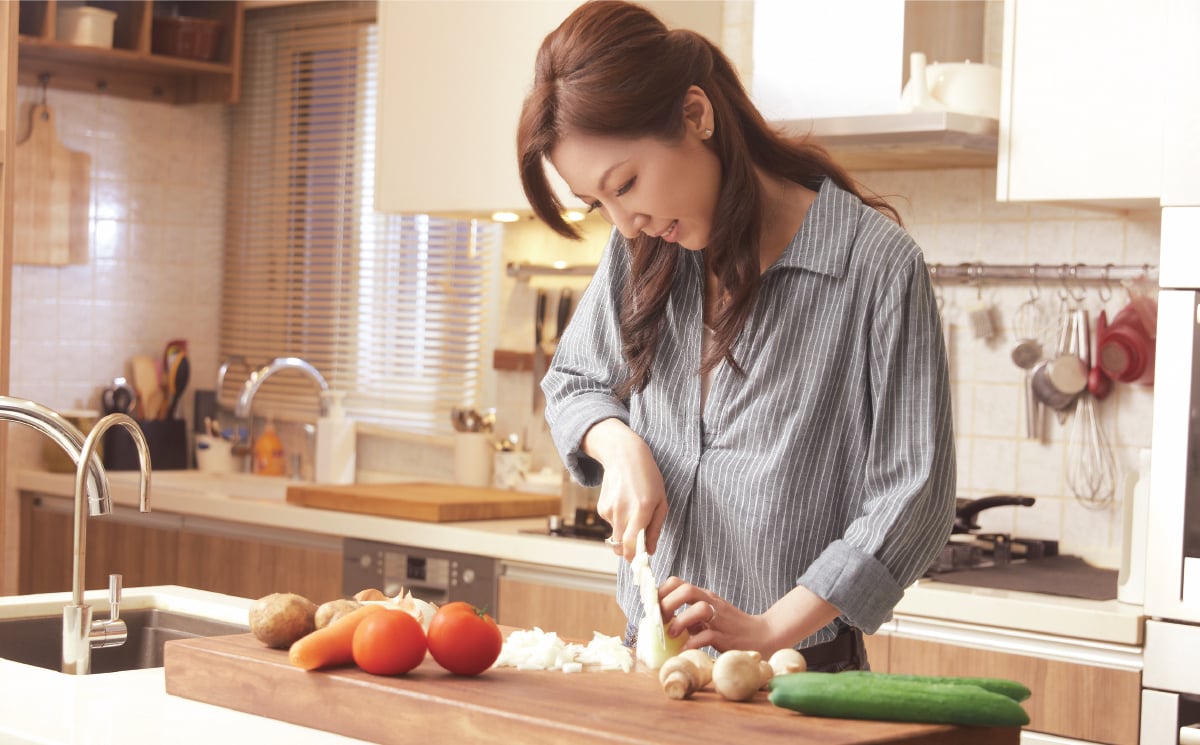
column 685, row 673
column 738, row 674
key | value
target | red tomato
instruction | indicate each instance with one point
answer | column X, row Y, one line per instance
column 390, row 643
column 464, row 639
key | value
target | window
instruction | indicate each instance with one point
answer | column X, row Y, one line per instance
column 390, row 308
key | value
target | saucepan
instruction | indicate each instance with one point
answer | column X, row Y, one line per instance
column 1059, row 380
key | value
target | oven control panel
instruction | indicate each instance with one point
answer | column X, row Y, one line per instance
column 435, row 576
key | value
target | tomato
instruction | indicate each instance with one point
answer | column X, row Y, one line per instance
column 389, row 643
column 464, row 639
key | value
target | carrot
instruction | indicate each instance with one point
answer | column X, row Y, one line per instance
column 331, row 645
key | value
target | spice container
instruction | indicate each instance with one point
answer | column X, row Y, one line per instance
column 85, row 26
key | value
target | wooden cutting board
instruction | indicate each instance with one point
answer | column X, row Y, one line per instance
column 425, row 502
column 52, row 195
column 509, row 705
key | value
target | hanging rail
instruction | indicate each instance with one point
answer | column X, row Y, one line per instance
column 982, row 273
column 971, row 272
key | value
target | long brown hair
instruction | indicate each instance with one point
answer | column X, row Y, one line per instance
column 613, row 69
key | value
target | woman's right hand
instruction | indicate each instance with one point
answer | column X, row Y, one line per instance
column 632, row 496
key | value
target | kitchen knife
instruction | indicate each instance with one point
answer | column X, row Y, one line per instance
column 564, row 314
column 643, row 577
column 539, row 352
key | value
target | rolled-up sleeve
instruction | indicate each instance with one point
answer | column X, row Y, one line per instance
column 588, row 365
column 909, row 484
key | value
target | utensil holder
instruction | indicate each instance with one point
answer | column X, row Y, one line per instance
column 167, row 439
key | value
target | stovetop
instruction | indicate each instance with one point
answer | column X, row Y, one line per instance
column 586, row 525
column 984, row 550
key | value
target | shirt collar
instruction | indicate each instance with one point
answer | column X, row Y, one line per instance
column 822, row 244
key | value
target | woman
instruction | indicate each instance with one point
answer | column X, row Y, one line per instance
column 757, row 369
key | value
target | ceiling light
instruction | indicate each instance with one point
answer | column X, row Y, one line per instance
column 505, row 216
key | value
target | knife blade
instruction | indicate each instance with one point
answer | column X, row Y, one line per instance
column 643, row 577
column 539, row 352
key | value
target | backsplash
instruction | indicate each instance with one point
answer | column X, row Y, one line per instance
column 157, row 223
column 156, row 227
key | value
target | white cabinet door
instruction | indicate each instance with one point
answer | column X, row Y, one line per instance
column 1181, row 146
column 452, row 77
column 1082, row 103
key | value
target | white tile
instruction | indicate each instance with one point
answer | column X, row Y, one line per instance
column 1128, row 415
column 957, row 242
column 1099, row 241
column 1042, row 519
column 998, row 410
column 958, row 194
column 1051, row 241
column 1004, row 242
column 993, row 465
column 1142, row 241
column 1084, row 529
column 1040, row 469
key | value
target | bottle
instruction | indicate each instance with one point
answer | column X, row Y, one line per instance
column 336, row 442
column 268, row 452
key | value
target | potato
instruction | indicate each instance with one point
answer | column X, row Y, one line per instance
column 329, row 612
column 369, row 594
column 281, row 618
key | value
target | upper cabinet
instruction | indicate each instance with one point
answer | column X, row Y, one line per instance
column 1082, row 107
column 452, row 78
column 174, row 52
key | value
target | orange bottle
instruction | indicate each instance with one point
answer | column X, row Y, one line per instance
column 268, row 452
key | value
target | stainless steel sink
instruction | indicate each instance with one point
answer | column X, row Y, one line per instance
column 38, row 641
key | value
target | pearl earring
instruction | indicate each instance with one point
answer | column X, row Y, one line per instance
column 707, row 133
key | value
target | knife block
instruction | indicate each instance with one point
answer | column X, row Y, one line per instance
column 167, row 438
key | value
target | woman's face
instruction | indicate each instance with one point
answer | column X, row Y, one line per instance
column 646, row 185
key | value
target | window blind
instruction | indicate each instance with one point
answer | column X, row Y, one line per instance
column 390, row 308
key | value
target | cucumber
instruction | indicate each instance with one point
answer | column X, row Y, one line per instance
column 1011, row 688
column 865, row 697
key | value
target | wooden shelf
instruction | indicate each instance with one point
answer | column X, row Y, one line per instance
column 130, row 69
column 512, row 360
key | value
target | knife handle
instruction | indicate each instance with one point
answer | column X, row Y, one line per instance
column 539, row 317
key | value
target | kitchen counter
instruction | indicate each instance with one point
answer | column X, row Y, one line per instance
column 189, row 493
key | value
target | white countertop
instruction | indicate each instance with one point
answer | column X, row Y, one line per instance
column 43, row 706
column 202, row 495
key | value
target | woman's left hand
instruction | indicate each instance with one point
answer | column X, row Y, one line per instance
column 711, row 621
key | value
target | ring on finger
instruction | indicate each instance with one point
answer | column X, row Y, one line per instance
column 613, row 543
column 713, row 617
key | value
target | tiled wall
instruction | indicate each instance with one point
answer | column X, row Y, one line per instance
column 156, row 230
column 954, row 216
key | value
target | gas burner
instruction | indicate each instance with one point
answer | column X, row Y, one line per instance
column 985, row 550
column 587, row 525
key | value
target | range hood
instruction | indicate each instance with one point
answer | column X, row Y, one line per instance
column 912, row 141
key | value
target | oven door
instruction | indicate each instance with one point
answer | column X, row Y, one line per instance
column 1173, row 585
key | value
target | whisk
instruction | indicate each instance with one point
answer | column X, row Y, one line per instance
column 1091, row 468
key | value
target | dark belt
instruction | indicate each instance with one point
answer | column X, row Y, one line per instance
column 839, row 652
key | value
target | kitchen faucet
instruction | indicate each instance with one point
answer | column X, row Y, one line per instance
column 80, row 632
column 69, row 438
column 259, row 376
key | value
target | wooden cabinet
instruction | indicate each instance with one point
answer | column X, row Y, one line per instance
column 136, row 66
column 1070, row 699
column 142, row 548
column 165, row 549
column 255, row 561
column 1082, row 106
column 571, row 604
column 452, row 77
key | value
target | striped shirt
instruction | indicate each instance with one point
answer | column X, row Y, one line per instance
column 829, row 465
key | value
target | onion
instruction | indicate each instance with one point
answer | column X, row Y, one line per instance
column 534, row 649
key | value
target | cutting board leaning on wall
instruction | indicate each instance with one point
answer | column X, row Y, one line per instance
column 52, row 195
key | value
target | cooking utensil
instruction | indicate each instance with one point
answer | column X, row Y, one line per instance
column 177, row 380
column 1099, row 384
column 144, row 375
column 539, row 353
column 562, row 316
column 50, row 220
column 119, row 398
column 1091, row 468
column 1058, row 381
column 1026, row 353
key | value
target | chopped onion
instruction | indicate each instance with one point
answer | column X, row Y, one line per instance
column 534, row 649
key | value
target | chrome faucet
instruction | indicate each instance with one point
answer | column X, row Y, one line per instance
column 80, row 633
column 69, row 438
column 259, row 376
